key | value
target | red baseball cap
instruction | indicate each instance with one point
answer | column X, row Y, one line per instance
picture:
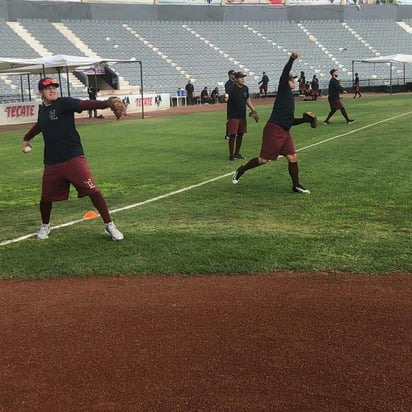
column 46, row 82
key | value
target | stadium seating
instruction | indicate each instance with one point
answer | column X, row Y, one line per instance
column 174, row 51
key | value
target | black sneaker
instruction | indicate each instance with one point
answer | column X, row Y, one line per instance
column 236, row 176
column 351, row 121
column 300, row 189
column 239, row 157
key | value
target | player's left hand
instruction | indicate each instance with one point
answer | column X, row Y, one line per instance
column 117, row 107
column 311, row 118
column 254, row 115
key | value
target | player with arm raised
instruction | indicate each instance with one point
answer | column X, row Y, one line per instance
column 277, row 139
column 64, row 159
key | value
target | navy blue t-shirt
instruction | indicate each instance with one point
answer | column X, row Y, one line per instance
column 61, row 139
column 284, row 107
column 236, row 105
column 334, row 90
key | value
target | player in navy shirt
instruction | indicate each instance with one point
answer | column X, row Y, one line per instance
column 237, row 99
column 277, row 139
column 335, row 102
column 64, row 160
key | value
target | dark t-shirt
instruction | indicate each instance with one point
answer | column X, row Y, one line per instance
column 334, row 89
column 236, row 105
column 61, row 139
column 228, row 85
column 315, row 84
column 92, row 93
column 284, row 106
column 190, row 88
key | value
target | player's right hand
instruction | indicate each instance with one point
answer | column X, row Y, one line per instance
column 26, row 147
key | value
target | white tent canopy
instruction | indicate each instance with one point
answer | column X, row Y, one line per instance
column 52, row 64
column 390, row 59
column 58, row 64
column 393, row 58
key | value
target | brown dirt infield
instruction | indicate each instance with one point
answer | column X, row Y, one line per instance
column 275, row 342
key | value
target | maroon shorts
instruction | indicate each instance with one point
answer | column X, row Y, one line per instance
column 276, row 141
column 235, row 126
column 57, row 179
column 336, row 105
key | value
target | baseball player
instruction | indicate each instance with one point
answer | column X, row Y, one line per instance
column 356, row 86
column 64, row 159
column 335, row 102
column 228, row 85
column 264, row 81
column 237, row 99
column 277, row 139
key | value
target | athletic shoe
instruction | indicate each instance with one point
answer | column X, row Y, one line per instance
column 238, row 157
column 44, row 231
column 351, row 121
column 326, row 123
column 236, row 176
column 226, row 137
column 300, row 189
column 111, row 230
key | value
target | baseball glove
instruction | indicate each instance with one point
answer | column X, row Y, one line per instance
column 117, row 107
column 311, row 118
column 254, row 115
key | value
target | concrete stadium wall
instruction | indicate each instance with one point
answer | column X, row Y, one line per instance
column 11, row 10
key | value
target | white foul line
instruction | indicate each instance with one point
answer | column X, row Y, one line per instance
column 185, row 189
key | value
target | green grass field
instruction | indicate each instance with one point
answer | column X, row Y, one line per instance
column 356, row 219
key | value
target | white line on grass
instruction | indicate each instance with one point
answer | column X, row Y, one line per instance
column 185, row 189
column 353, row 131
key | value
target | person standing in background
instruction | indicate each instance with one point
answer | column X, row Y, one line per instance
column 335, row 102
column 263, row 89
column 190, row 92
column 237, row 99
column 228, row 85
column 92, row 92
column 302, row 83
column 356, row 86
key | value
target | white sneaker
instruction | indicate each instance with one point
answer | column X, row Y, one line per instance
column 300, row 189
column 44, row 231
column 111, row 230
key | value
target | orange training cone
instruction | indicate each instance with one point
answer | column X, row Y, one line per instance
column 90, row 215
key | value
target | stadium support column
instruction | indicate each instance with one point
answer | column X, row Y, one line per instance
column 141, row 87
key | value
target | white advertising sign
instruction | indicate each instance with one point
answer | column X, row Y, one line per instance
column 15, row 113
column 20, row 113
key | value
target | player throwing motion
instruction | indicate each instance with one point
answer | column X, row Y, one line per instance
column 64, row 160
column 277, row 139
